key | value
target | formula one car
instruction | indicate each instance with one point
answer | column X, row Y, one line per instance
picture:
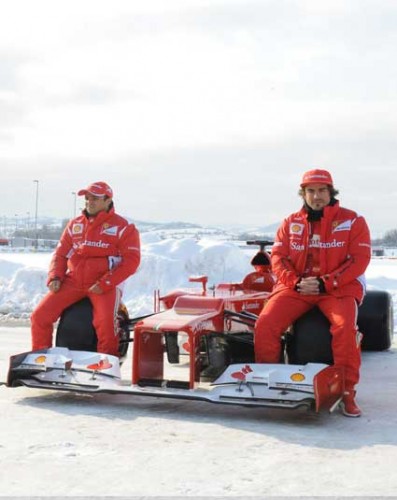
column 198, row 344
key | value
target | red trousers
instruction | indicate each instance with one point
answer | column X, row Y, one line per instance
column 105, row 307
column 286, row 306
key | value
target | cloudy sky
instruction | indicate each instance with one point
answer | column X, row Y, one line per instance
column 205, row 111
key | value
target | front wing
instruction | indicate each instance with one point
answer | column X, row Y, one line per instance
column 315, row 386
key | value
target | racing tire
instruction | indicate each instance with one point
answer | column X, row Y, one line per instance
column 123, row 332
column 310, row 341
column 376, row 321
column 75, row 329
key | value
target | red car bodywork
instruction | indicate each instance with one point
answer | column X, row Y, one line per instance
column 197, row 313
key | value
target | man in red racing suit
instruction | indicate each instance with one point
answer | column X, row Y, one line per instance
column 319, row 258
column 97, row 251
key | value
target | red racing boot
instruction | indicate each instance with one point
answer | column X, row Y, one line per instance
column 349, row 406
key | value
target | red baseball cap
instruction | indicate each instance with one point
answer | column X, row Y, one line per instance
column 97, row 189
column 317, row 176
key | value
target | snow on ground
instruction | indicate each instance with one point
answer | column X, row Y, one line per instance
column 54, row 444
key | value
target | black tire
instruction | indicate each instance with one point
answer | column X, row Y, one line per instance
column 310, row 341
column 376, row 321
column 123, row 332
column 75, row 329
column 311, row 338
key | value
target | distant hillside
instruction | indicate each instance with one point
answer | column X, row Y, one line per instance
column 50, row 228
column 154, row 226
column 186, row 229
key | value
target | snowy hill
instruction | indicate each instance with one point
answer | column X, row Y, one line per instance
column 166, row 264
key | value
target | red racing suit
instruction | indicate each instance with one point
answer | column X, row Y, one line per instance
column 102, row 250
column 343, row 253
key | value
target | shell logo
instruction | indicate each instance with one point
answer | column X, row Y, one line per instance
column 296, row 228
column 77, row 229
column 297, row 377
column 40, row 359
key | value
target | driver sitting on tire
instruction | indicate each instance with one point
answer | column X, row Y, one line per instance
column 319, row 258
column 97, row 251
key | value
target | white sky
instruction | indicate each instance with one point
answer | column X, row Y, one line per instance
column 205, row 111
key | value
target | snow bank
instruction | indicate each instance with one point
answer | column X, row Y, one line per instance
column 166, row 265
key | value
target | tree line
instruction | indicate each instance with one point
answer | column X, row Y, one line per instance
column 388, row 240
column 45, row 231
